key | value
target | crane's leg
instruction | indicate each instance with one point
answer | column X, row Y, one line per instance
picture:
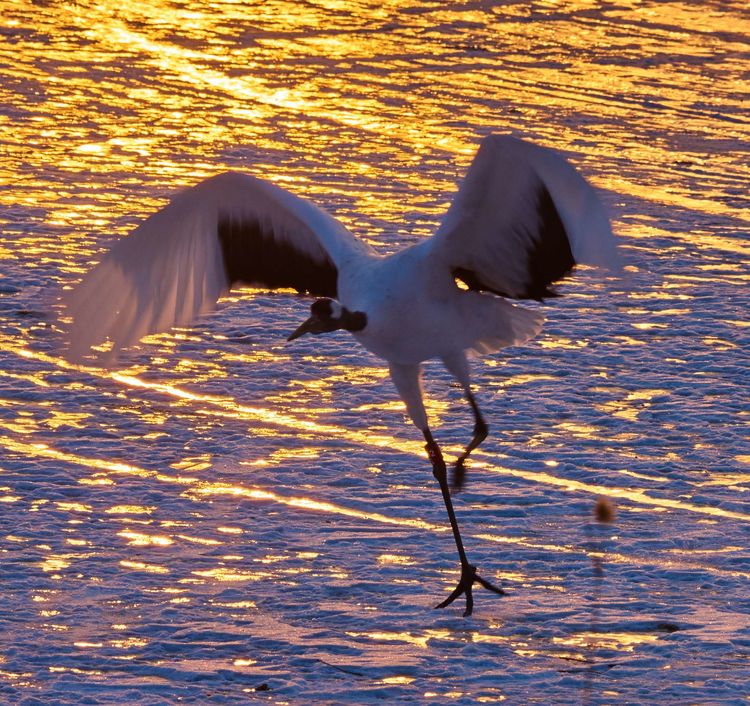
column 458, row 366
column 469, row 575
column 407, row 381
column 480, row 434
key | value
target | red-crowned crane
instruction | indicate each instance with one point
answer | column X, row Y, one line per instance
column 521, row 220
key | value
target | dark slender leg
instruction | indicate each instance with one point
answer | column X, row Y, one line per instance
column 469, row 574
column 480, row 434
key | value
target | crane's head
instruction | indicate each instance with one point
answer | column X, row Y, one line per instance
column 328, row 315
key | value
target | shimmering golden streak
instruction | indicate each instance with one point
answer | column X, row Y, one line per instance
column 142, row 566
column 624, row 641
column 311, row 504
column 256, row 493
column 417, row 640
column 611, row 556
column 230, row 408
column 232, row 575
column 253, row 413
column 35, row 379
column 630, row 494
column 139, row 539
column 190, row 66
column 640, row 230
column 39, row 449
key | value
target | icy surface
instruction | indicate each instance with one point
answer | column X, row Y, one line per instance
column 226, row 519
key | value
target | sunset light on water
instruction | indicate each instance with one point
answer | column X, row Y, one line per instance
column 223, row 517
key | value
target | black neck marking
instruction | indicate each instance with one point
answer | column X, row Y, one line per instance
column 353, row 320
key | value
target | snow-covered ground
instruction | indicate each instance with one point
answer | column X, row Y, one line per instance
column 227, row 519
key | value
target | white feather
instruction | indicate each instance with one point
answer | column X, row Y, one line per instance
column 489, row 226
column 169, row 270
column 520, row 212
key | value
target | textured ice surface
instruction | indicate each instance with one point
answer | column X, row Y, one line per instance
column 226, row 512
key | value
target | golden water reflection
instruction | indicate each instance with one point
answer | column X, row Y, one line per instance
column 223, row 574
column 576, row 647
column 225, row 406
column 622, row 641
column 374, row 113
column 190, row 61
column 143, row 566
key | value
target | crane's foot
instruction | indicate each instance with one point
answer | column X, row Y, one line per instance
column 469, row 577
column 458, row 476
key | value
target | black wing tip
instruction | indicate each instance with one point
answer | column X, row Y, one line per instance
column 253, row 254
column 549, row 257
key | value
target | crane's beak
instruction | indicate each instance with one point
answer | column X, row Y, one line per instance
column 312, row 325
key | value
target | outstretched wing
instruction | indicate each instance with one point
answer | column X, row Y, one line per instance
column 522, row 219
column 174, row 266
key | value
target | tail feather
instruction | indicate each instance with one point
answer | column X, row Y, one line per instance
column 493, row 323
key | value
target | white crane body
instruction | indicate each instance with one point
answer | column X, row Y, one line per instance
column 521, row 220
